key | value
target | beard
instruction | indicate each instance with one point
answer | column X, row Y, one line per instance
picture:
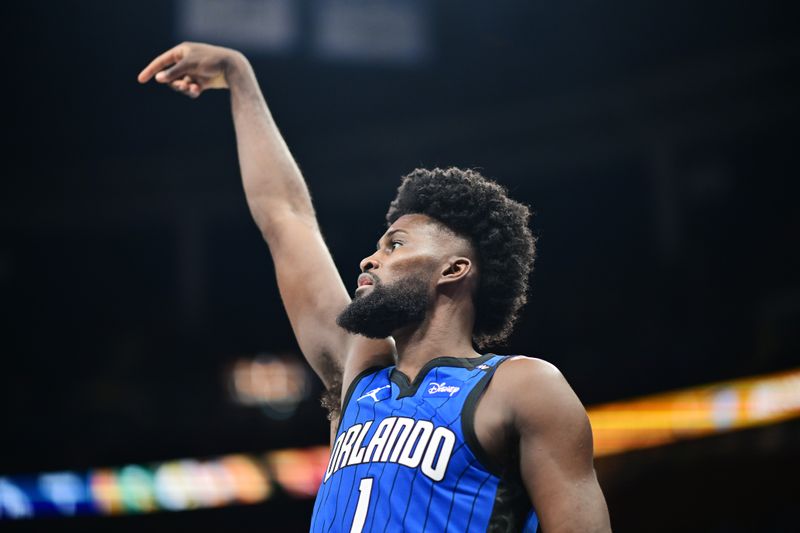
column 386, row 308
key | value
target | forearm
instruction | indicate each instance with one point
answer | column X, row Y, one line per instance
column 272, row 180
column 310, row 286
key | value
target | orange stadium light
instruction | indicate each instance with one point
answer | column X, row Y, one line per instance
column 694, row 412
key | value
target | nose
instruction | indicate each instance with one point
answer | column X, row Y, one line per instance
column 368, row 263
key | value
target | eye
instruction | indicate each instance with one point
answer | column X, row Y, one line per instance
column 394, row 244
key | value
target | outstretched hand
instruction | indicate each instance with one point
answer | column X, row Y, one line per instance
column 190, row 68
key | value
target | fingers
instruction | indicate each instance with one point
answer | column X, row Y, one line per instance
column 179, row 85
column 187, row 86
column 170, row 68
column 170, row 57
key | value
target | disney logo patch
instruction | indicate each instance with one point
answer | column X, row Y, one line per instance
column 443, row 389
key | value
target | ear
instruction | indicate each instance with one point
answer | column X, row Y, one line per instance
column 456, row 268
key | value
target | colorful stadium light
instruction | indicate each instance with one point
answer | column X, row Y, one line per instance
column 242, row 479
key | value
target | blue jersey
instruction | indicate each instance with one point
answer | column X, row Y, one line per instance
column 406, row 457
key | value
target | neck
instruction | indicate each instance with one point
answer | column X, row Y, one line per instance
column 444, row 332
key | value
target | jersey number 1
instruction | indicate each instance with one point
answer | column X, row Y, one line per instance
column 364, row 492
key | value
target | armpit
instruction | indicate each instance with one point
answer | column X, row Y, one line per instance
column 332, row 400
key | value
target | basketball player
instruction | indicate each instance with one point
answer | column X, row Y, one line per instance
column 426, row 433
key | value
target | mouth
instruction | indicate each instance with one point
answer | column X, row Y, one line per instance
column 365, row 280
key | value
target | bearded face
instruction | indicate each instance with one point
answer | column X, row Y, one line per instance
column 386, row 308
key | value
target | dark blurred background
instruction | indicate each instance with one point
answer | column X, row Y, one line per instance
column 655, row 141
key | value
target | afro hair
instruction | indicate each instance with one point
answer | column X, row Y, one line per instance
column 479, row 209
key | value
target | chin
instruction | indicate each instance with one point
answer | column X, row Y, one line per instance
column 362, row 291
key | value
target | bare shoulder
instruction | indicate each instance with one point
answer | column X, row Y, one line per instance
column 555, row 446
column 363, row 354
column 524, row 363
column 538, row 394
column 529, row 372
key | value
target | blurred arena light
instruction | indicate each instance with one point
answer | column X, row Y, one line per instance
column 363, row 31
column 298, row 472
column 239, row 479
column 253, row 25
column 396, row 31
column 695, row 412
column 276, row 384
column 170, row 486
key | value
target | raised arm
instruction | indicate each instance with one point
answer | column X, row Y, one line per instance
column 556, row 454
column 310, row 286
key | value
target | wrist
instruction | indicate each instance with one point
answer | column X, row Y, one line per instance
column 235, row 66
